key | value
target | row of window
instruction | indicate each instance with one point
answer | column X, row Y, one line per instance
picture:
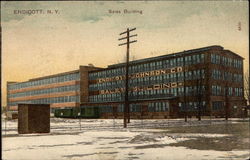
column 162, row 93
column 137, row 95
column 216, row 90
column 168, row 78
column 216, row 74
column 106, row 109
column 63, row 78
column 145, row 81
column 158, row 107
column 169, row 63
column 220, row 91
column 238, row 92
column 217, row 105
column 195, row 74
column 215, row 58
column 228, row 76
column 192, row 106
column 226, row 61
column 148, row 94
column 132, row 108
column 237, row 78
column 197, row 90
column 46, row 91
column 107, row 97
column 49, row 100
column 152, row 107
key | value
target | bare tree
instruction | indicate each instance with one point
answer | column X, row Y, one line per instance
column 4, row 109
column 199, row 94
column 227, row 92
column 226, row 106
column 246, row 87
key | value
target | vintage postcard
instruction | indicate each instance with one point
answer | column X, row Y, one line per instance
column 123, row 80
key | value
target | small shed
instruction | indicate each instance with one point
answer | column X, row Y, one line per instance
column 33, row 118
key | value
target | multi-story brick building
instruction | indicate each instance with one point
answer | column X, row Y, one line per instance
column 62, row 90
column 206, row 81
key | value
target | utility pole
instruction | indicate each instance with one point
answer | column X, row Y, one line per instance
column 126, row 101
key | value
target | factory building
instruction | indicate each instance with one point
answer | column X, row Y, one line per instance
column 206, row 81
column 64, row 90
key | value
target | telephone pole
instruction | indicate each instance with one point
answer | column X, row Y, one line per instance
column 126, row 101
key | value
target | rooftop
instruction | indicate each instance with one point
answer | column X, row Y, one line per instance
column 169, row 55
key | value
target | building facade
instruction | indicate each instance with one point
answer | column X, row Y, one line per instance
column 206, row 81
column 64, row 90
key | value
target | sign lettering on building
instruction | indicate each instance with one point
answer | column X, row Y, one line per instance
column 141, row 74
column 143, row 88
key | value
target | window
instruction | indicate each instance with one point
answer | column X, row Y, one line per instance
column 202, row 58
column 216, row 90
column 216, row 74
column 217, row 105
column 215, row 59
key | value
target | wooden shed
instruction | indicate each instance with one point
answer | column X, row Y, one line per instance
column 33, row 118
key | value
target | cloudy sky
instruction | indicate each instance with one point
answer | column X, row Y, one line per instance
column 80, row 33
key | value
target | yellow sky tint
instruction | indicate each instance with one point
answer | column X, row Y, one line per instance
column 85, row 32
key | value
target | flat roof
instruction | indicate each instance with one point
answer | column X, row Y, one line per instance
column 54, row 75
column 233, row 53
column 44, row 77
column 169, row 55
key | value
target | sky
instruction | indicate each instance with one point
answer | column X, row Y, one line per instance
column 83, row 32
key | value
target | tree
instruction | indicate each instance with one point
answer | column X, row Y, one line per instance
column 199, row 94
column 246, row 87
column 4, row 109
column 226, row 106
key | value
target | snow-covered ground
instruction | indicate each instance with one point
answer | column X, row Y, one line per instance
column 99, row 139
